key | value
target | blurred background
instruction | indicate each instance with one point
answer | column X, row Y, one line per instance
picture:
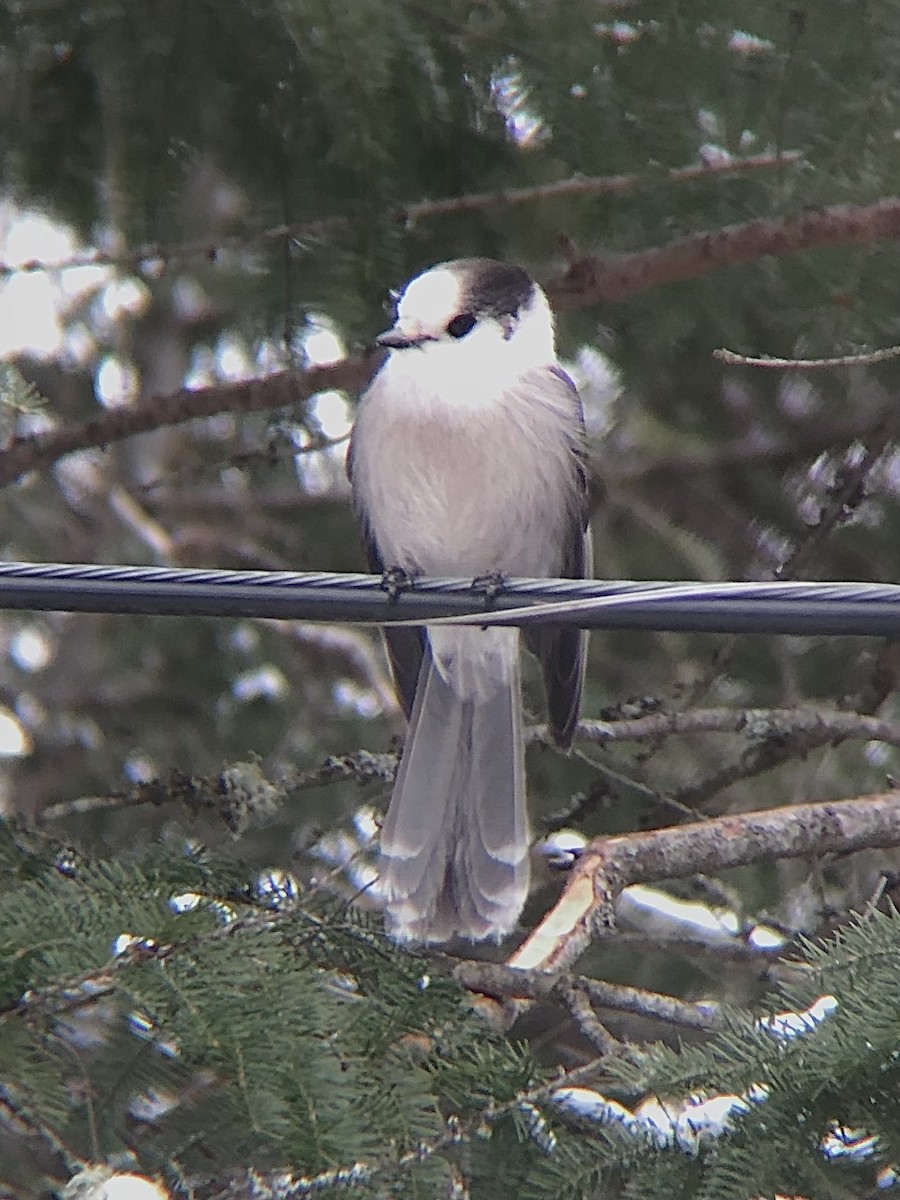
column 195, row 194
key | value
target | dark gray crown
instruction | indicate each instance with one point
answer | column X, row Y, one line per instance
column 491, row 288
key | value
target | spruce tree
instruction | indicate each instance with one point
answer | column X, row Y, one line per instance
column 195, row 986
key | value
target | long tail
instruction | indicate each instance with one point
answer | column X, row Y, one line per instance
column 454, row 845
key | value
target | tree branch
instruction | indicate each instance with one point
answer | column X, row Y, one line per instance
column 157, row 255
column 16, row 1115
column 818, row 725
column 236, row 794
column 768, row 727
column 281, row 390
column 848, row 495
column 732, row 359
column 588, row 281
column 775, row 735
column 502, row 982
column 283, row 1185
column 575, row 1000
column 596, row 185
column 599, row 280
column 804, row 443
column 608, row 865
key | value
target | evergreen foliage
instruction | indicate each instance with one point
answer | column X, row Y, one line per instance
column 295, row 1033
column 287, row 1035
column 229, row 181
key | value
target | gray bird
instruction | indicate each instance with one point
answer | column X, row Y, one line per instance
column 467, row 459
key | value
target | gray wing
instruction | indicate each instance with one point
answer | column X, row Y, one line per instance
column 405, row 646
column 561, row 650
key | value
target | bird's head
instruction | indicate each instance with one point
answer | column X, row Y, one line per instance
column 471, row 319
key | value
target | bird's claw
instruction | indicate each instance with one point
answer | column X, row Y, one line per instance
column 396, row 580
column 491, row 584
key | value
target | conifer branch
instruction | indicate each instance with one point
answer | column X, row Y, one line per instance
column 235, row 793
column 790, row 731
column 588, row 281
column 84, row 990
column 15, row 1113
column 502, row 982
column 608, row 865
column 816, row 726
column 281, row 390
column 156, row 256
column 287, row 1185
column 598, row 279
column 596, row 185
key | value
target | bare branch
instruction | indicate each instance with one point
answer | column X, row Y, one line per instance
column 775, row 736
column 599, row 280
column 232, row 792
column 156, row 256
column 135, row 518
column 358, row 651
column 867, row 359
column 596, row 185
column 257, row 395
column 716, row 955
column 510, row 983
column 608, row 865
column 767, row 727
column 778, row 736
column 817, row 726
column 577, row 1004
column 589, row 280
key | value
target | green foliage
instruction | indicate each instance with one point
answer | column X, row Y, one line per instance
column 16, row 392
column 843, row 1072
column 247, row 164
column 18, row 398
column 298, row 1035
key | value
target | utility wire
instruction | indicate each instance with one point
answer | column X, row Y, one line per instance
column 867, row 609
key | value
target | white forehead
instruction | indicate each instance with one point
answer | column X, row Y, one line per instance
column 432, row 298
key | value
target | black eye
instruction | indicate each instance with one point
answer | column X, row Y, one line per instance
column 461, row 325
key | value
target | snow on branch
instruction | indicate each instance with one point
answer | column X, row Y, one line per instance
column 607, row 866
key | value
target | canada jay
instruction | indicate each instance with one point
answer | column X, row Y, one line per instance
column 467, row 459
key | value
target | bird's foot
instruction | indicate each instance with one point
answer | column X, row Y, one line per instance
column 491, row 584
column 396, row 580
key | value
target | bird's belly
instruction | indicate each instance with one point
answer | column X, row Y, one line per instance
column 451, row 506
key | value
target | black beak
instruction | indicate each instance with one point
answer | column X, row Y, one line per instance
column 394, row 340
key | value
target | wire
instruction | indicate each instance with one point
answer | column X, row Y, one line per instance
column 867, row 609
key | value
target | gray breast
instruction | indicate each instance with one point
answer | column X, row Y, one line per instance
column 471, row 492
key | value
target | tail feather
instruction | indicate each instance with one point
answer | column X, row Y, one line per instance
column 454, row 845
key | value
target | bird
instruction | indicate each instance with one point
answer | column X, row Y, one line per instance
column 467, row 459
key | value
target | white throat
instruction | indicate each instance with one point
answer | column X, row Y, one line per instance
column 473, row 371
